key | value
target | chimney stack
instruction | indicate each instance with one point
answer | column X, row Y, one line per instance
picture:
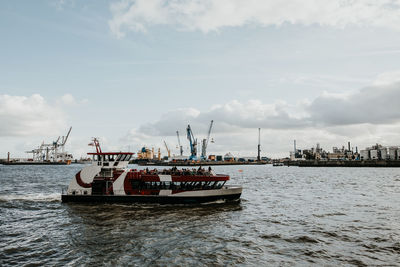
column 259, row 146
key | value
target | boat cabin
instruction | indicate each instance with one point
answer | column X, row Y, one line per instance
column 111, row 160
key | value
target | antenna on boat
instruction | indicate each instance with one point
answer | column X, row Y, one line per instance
column 95, row 142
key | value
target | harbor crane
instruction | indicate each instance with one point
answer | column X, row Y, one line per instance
column 193, row 143
column 64, row 140
column 169, row 151
column 205, row 143
column 50, row 152
column 179, row 143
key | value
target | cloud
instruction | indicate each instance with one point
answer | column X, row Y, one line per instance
column 68, row 99
column 29, row 116
column 168, row 121
column 387, row 78
column 374, row 105
column 232, row 116
column 274, row 142
column 208, row 15
column 61, row 4
column 365, row 116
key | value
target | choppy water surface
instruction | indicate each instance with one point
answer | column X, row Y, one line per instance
column 287, row 216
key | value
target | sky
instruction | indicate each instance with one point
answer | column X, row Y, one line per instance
column 134, row 72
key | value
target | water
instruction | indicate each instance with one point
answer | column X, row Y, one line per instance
column 287, row 216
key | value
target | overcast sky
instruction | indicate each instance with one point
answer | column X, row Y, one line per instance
column 134, row 72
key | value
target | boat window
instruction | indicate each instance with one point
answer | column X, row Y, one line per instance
column 105, row 173
column 128, row 157
column 119, row 157
column 135, row 184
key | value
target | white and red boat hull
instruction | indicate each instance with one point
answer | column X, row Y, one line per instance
column 227, row 193
column 109, row 179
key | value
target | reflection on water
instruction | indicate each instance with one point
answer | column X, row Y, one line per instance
column 139, row 212
column 287, row 216
column 146, row 232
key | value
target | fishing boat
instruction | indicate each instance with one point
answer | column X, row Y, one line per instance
column 108, row 179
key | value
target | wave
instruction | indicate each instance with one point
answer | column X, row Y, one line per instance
column 329, row 214
column 54, row 197
column 301, row 239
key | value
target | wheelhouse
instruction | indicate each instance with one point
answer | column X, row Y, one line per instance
column 116, row 160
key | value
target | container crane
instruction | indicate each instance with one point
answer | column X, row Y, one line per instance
column 259, row 146
column 50, row 152
column 193, row 143
column 64, row 140
column 169, row 151
column 205, row 143
column 179, row 143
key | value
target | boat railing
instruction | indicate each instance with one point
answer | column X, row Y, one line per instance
column 181, row 172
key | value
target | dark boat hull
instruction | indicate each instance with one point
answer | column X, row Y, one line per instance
column 148, row 199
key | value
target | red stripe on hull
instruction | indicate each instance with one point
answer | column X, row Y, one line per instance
column 80, row 182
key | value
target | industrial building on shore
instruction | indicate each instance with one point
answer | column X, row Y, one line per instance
column 379, row 152
column 374, row 156
column 375, row 152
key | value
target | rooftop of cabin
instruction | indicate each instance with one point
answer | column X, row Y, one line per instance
column 112, row 156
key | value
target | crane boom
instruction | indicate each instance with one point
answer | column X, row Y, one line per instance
column 209, row 132
column 66, row 137
column 179, row 143
column 169, row 151
column 205, row 142
column 193, row 143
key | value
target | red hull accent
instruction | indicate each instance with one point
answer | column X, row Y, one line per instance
column 142, row 177
column 80, row 182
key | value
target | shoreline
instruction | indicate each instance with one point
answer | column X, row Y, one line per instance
column 345, row 163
